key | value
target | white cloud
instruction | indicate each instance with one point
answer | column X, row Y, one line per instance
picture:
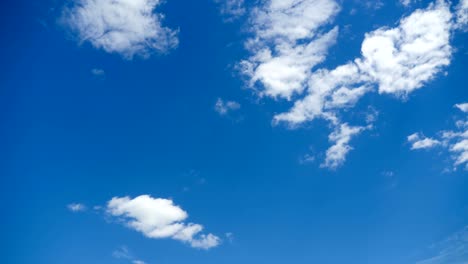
column 398, row 61
column 394, row 61
column 336, row 154
column 287, row 43
column 454, row 141
column 224, row 107
column 126, row 27
column 232, row 9
column 462, row 107
column 462, row 14
column 160, row 218
column 406, row 2
column 77, row 207
column 419, row 141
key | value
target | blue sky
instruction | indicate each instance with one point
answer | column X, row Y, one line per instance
column 211, row 131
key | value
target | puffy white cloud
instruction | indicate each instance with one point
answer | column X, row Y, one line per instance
column 127, row 27
column 398, row 61
column 224, row 107
column 287, row 43
column 77, row 207
column 160, row 218
column 402, row 59
column 455, row 141
column 419, row 141
column 336, row 154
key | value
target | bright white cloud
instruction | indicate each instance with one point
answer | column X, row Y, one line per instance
column 126, row 27
column 77, row 207
column 419, row 141
column 398, row 61
column 224, row 107
column 160, row 218
column 288, row 41
column 336, row 154
column 455, row 141
column 394, row 61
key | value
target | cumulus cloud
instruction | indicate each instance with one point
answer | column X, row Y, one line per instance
column 225, row 107
column 288, row 41
column 419, row 141
column 126, row 27
column 336, row 154
column 159, row 218
column 77, row 207
column 454, row 141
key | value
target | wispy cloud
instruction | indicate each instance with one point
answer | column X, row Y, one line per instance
column 159, row 218
column 231, row 9
column 455, row 141
column 125, row 27
column 223, row 107
column 124, row 253
column 452, row 250
column 77, row 207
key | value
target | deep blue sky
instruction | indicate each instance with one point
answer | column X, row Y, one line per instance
column 149, row 127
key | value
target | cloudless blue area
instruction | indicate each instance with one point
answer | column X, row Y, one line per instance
column 149, row 127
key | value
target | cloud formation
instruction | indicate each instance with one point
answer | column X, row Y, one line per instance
column 419, row 141
column 231, row 9
column 454, row 141
column 290, row 39
column 77, row 207
column 159, row 218
column 287, row 43
column 126, row 27
column 336, row 154
column 225, row 107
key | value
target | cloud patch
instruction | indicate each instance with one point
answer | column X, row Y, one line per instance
column 125, row 27
column 77, row 207
column 160, row 218
column 454, row 141
column 223, row 107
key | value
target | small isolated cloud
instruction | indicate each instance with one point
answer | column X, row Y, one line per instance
column 125, row 27
column 159, row 218
column 100, row 73
column 336, row 154
column 231, row 9
column 454, row 141
column 406, row 2
column 124, row 253
column 419, row 141
column 225, row 107
column 76, row 207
